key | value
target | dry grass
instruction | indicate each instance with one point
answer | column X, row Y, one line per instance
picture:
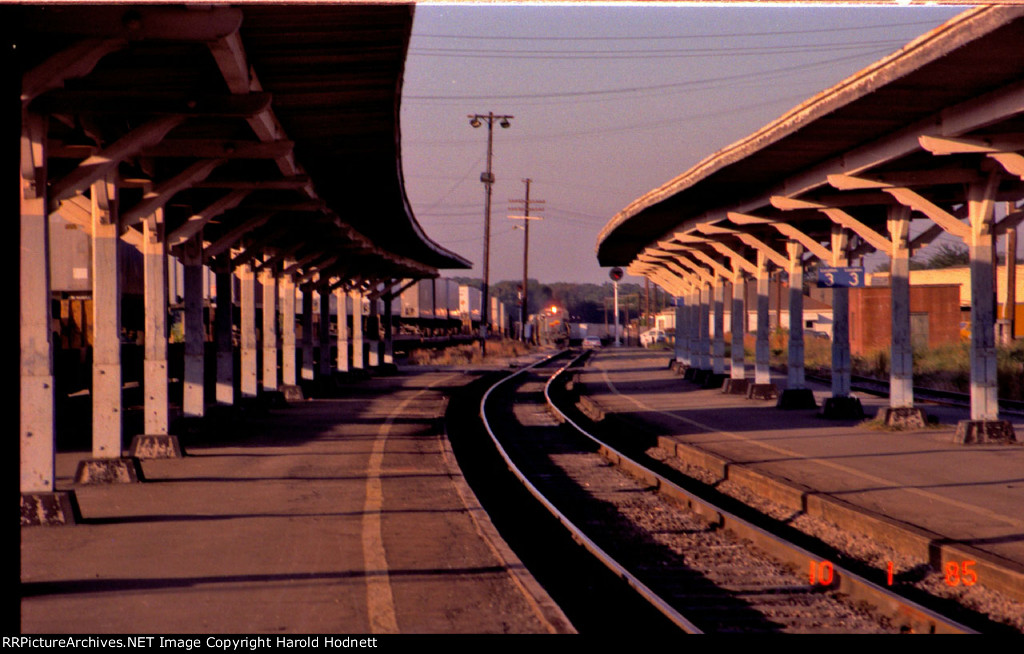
column 944, row 368
column 469, row 353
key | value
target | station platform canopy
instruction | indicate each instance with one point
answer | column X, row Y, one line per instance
column 920, row 129
column 273, row 128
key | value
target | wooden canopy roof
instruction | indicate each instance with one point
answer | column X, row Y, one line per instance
column 918, row 128
column 273, row 128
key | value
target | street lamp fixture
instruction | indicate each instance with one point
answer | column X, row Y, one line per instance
column 487, row 177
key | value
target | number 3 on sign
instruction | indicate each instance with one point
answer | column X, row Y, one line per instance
column 961, row 572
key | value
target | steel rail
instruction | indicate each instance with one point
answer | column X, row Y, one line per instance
column 857, row 587
column 577, row 534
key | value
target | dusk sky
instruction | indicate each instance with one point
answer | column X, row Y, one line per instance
column 609, row 101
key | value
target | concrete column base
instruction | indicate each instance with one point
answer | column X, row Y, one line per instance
column 679, row 367
column 714, row 380
column 125, row 470
column 700, row 375
column 735, row 386
column 49, row 509
column 689, row 373
column 903, row 417
column 843, row 408
column 762, row 391
column 796, row 398
column 273, row 399
column 292, row 393
column 156, row 446
column 984, row 431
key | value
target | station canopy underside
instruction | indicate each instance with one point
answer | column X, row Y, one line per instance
column 272, row 128
column 918, row 129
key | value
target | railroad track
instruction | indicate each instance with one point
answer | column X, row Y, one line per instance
column 690, row 559
column 880, row 388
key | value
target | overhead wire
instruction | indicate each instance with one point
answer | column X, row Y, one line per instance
column 720, row 35
column 708, row 83
column 568, row 55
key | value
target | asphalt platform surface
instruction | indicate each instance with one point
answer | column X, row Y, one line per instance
column 334, row 516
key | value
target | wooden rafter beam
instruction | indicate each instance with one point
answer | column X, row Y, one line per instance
column 228, row 240
column 944, row 145
column 72, row 63
column 695, row 268
column 137, row 23
column 219, row 149
column 140, row 102
column 719, row 269
column 872, row 237
column 737, row 259
column 285, row 183
column 940, row 216
column 98, row 165
column 278, row 256
column 197, row 221
column 164, row 191
column 905, row 178
column 253, row 249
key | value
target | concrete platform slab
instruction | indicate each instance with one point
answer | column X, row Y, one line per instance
column 953, row 496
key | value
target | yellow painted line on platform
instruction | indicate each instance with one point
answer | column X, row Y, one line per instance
column 829, row 464
column 380, row 600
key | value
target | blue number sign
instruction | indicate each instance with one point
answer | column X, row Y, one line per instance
column 847, row 277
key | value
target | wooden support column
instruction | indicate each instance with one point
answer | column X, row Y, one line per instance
column 373, row 329
column 389, row 343
column 324, row 292
column 841, row 405
column 193, row 391
column 984, row 425
column 40, row 503
column 341, row 297
column 289, row 369
column 718, row 347
column 106, row 304
column 681, row 346
column 841, row 319
column 248, row 382
column 901, row 376
column 156, row 441
column 268, row 280
column 358, row 362
column 796, row 395
column 1010, row 307
column 704, row 327
column 223, row 327
column 307, row 332
column 693, row 327
column 737, row 382
column 762, row 353
column 901, row 409
column 155, row 374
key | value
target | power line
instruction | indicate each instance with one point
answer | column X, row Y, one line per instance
column 647, row 54
column 722, row 35
column 679, row 86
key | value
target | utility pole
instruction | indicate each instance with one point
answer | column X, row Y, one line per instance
column 487, row 177
column 526, row 218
